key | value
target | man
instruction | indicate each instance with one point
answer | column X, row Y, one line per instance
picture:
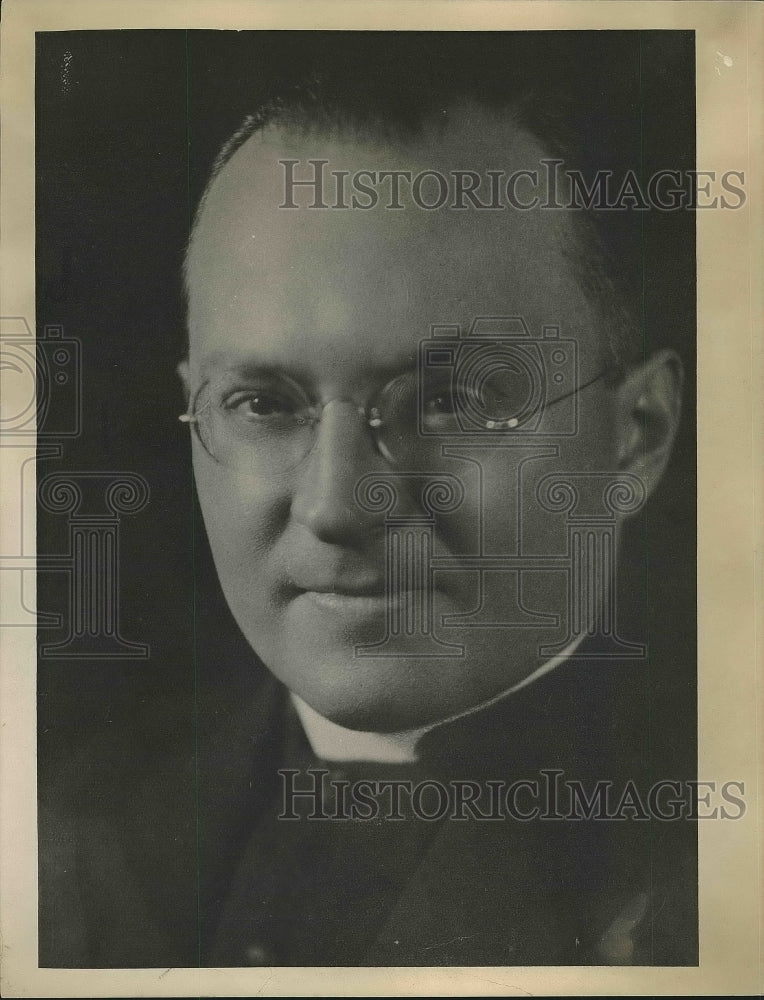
column 309, row 387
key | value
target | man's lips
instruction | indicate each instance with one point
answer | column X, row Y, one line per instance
column 340, row 602
column 356, row 599
column 362, row 586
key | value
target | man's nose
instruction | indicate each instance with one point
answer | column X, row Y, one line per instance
column 324, row 493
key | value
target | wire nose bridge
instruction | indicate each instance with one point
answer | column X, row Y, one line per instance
column 318, row 413
column 320, row 408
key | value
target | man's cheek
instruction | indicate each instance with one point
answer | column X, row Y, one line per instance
column 501, row 514
column 243, row 520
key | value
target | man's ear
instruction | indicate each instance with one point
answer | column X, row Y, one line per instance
column 182, row 370
column 648, row 407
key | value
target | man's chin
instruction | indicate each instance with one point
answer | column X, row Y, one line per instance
column 384, row 693
column 365, row 693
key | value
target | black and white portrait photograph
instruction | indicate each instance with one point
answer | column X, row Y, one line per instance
column 362, row 474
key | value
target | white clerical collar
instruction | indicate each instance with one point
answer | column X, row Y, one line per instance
column 334, row 743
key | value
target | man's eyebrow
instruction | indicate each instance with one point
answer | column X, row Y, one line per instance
column 244, row 366
column 219, row 362
column 223, row 363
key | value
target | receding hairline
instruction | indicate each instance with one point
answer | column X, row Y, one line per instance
column 449, row 121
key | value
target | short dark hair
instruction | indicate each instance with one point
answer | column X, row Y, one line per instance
column 583, row 111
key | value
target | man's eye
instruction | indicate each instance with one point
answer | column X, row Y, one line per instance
column 261, row 405
column 442, row 403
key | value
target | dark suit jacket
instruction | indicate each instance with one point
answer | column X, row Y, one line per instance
column 169, row 853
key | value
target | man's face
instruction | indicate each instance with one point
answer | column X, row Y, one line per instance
column 338, row 301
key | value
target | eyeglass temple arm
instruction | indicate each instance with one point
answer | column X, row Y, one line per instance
column 585, row 385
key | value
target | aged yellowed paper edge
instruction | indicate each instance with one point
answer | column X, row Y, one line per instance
column 730, row 439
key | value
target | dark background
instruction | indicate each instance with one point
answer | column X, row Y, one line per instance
column 128, row 123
